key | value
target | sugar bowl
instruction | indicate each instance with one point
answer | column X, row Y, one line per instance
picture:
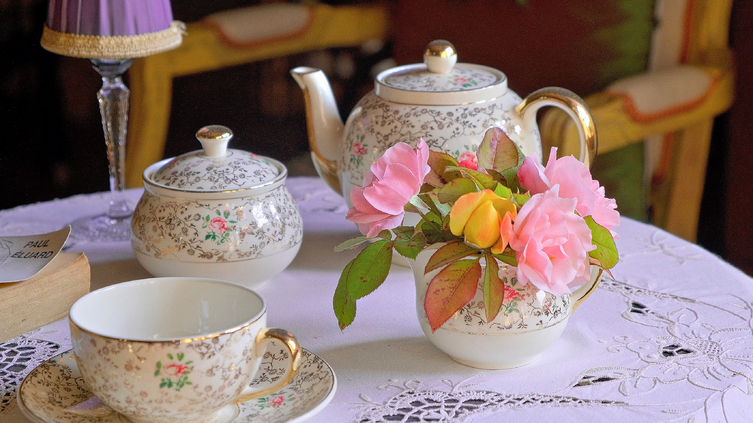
column 216, row 213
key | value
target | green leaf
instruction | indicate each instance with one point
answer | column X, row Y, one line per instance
column 497, row 151
column 494, row 288
column 404, row 232
column 385, row 234
column 508, row 256
column 511, row 178
column 180, row 356
column 451, row 289
column 410, row 247
column 369, row 269
column 170, row 356
column 351, row 243
column 502, row 191
column 455, row 189
column 448, row 253
column 438, row 162
column 606, row 250
column 521, row 199
column 343, row 304
column 439, row 207
column 482, row 180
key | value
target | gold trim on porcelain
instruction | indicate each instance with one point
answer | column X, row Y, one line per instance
column 440, row 48
column 247, row 324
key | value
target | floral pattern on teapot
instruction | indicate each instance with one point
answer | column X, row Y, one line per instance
column 216, row 231
column 453, row 129
column 457, row 80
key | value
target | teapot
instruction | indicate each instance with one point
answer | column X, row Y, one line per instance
column 448, row 104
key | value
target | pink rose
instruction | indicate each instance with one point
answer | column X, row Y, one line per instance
column 468, row 160
column 176, row 369
column 552, row 243
column 218, row 224
column 575, row 181
column 278, row 400
column 358, row 149
column 387, row 187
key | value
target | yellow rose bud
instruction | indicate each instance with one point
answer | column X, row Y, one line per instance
column 483, row 218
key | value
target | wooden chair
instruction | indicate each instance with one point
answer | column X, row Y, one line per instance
column 232, row 38
column 654, row 70
column 671, row 106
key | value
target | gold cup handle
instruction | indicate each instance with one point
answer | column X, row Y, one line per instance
column 262, row 338
column 580, row 294
column 575, row 107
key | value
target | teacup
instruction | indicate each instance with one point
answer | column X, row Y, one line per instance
column 175, row 349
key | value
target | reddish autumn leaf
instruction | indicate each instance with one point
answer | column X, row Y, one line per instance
column 494, row 288
column 451, row 289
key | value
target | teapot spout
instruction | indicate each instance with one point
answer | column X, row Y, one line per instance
column 323, row 122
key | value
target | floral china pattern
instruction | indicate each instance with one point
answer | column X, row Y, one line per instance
column 236, row 170
column 175, row 374
column 459, row 79
column 57, row 392
column 222, row 360
column 453, row 129
column 524, row 308
column 206, row 231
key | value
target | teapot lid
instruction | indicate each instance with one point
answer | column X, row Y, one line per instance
column 216, row 168
column 440, row 80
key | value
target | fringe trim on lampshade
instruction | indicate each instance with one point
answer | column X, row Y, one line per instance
column 113, row 47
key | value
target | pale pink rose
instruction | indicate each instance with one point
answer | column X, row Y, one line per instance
column 551, row 243
column 387, row 187
column 358, row 149
column 278, row 400
column 468, row 160
column 218, row 224
column 575, row 181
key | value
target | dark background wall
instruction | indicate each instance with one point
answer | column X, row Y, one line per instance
column 52, row 143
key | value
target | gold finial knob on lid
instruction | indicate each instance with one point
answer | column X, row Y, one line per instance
column 214, row 139
column 440, row 56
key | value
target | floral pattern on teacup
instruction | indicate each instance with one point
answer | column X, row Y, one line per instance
column 53, row 388
column 218, row 366
column 175, row 374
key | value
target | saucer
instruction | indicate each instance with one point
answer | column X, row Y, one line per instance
column 55, row 392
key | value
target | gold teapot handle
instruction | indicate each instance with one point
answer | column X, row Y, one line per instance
column 575, row 107
column 580, row 294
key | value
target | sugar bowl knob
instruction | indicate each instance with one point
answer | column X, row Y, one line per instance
column 214, row 139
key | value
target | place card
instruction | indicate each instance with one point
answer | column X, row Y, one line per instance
column 22, row 257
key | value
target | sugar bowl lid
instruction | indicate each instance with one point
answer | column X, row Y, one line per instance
column 215, row 168
column 440, row 80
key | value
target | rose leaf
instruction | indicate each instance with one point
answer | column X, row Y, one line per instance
column 451, row 289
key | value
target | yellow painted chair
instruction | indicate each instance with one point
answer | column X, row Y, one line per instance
column 232, row 38
column 672, row 107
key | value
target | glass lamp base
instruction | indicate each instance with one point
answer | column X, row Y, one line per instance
column 101, row 229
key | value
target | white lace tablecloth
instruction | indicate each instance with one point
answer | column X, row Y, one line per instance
column 669, row 338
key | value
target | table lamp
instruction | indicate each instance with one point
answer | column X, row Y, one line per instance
column 111, row 33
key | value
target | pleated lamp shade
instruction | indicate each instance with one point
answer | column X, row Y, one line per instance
column 110, row 29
